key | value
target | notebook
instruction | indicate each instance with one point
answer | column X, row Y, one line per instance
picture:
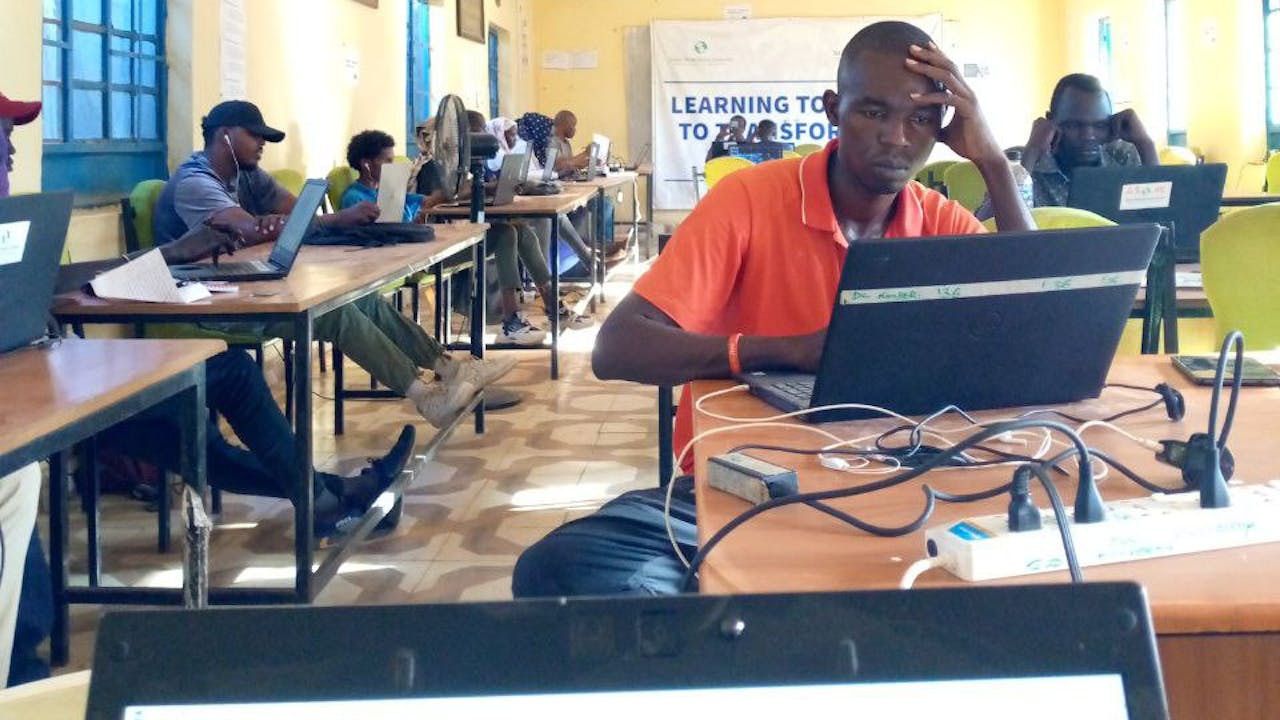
column 982, row 652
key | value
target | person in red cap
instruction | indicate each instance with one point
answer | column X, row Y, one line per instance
column 12, row 113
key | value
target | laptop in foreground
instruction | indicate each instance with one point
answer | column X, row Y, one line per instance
column 985, row 652
column 33, row 230
column 1186, row 198
column 976, row 321
column 282, row 255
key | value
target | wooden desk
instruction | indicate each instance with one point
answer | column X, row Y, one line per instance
column 59, row 397
column 535, row 207
column 322, row 279
column 602, row 185
column 65, row 697
column 1217, row 614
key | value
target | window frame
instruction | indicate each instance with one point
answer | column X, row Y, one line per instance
column 494, row 51
column 1270, row 47
column 101, row 170
column 419, row 13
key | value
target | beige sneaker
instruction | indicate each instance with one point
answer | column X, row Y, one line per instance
column 442, row 401
column 479, row 373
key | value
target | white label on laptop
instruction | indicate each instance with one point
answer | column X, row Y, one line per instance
column 1146, row 196
column 963, row 291
column 13, row 241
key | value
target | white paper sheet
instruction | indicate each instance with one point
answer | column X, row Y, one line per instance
column 391, row 190
column 146, row 279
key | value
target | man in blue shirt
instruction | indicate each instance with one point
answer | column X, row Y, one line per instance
column 367, row 152
column 223, row 184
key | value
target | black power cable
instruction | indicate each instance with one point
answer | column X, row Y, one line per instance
column 1088, row 503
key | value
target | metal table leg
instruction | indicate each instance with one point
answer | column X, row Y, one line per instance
column 59, row 638
column 304, row 500
column 553, row 313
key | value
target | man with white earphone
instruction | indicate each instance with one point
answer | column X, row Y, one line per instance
column 223, row 184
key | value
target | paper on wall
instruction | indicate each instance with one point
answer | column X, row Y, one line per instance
column 586, row 60
column 557, row 60
column 146, row 279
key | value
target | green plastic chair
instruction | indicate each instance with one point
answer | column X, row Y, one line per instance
column 933, row 173
column 292, row 180
column 1273, row 173
column 1238, row 257
column 1177, row 155
column 719, row 168
column 340, row 178
column 965, row 184
column 1059, row 218
column 807, row 149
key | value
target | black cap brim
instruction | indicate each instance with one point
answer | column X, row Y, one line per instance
column 269, row 134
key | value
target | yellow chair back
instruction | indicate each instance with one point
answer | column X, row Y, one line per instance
column 807, row 149
column 340, row 178
column 791, row 155
column 934, row 172
column 1273, row 173
column 1177, row 155
column 142, row 200
column 1239, row 257
column 291, row 180
column 965, row 184
column 718, row 168
column 1252, row 177
column 1059, row 218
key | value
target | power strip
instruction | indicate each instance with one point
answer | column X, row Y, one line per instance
column 983, row 548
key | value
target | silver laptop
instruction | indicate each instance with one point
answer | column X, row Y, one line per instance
column 283, row 254
column 33, row 229
column 504, row 193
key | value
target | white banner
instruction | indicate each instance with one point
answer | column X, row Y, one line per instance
column 706, row 72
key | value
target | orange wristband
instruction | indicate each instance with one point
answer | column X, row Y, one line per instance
column 735, row 360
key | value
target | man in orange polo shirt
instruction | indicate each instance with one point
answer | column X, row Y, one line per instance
column 748, row 281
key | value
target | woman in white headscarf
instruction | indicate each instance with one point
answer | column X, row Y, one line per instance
column 504, row 129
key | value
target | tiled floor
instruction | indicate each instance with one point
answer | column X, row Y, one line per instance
column 565, row 449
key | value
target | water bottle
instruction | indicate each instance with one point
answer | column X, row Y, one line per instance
column 1021, row 177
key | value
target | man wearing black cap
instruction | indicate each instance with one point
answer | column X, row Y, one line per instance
column 224, row 185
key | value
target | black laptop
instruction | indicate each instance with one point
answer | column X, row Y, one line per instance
column 976, row 321
column 33, row 230
column 1184, row 197
column 283, row 254
column 1057, row 652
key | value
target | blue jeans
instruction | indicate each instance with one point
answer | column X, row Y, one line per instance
column 621, row 549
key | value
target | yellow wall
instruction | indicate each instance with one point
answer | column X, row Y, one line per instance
column 461, row 67
column 1223, row 38
column 1020, row 41
column 296, row 51
column 20, row 35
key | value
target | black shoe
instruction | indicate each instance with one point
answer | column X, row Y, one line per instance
column 389, row 466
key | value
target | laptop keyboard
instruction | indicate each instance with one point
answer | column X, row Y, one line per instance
column 251, row 266
column 798, row 391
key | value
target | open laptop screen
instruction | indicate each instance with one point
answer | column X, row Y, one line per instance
column 295, row 228
column 1097, row 697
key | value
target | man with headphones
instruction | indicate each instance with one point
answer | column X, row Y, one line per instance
column 224, row 185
